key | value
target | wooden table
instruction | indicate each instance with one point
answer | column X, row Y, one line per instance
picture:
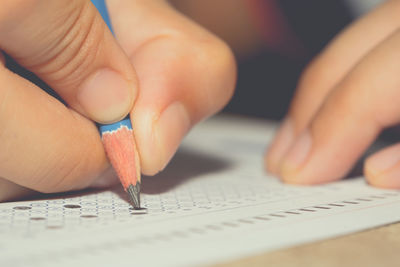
column 375, row 247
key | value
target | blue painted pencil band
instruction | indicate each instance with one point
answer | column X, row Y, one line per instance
column 102, row 8
column 115, row 126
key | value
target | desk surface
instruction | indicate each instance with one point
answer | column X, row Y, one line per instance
column 375, row 247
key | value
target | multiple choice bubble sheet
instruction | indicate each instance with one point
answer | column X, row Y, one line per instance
column 213, row 203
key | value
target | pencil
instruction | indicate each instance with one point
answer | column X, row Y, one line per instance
column 119, row 142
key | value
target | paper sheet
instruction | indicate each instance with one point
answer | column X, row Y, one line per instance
column 214, row 203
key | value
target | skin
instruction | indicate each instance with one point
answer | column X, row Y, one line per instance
column 171, row 75
column 345, row 98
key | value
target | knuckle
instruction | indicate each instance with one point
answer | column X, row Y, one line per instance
column 226, row 71
column 313, row 76
column 218, row 66
column 76, row 45
column 349, row 96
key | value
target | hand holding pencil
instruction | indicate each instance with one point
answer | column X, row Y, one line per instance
column 160, row 69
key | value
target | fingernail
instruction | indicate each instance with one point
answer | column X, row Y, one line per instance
column 383, row 161
column 106, row 96
column 297, row 154
column 171, row 127
column 280, row 145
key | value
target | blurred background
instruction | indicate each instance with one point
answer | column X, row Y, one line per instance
column 273, row 41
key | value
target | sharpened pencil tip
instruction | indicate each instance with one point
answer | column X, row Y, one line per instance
column 134, row 195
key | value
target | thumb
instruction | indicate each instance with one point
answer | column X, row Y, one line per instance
column 68, row 45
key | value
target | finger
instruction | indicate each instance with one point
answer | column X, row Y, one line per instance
column 185, row 73
column 10, row 191
column 364, row 103
column 383, row 168
column 68, row 45
column 327, row 70
column 2, row 59
column 44, row 145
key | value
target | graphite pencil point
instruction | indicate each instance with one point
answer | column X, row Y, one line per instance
column 134, row 195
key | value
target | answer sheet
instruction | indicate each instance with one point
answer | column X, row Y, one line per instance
column 213, row 203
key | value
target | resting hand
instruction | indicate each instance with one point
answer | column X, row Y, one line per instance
column 345, row 98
